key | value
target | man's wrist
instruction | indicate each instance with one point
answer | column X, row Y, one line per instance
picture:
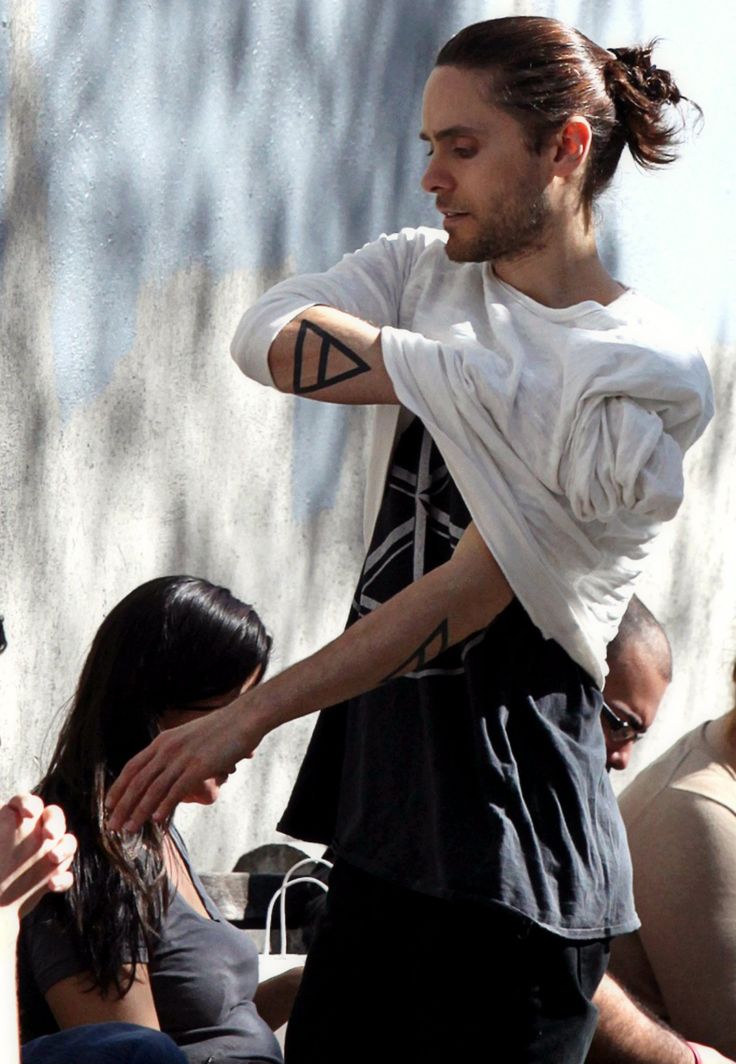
column 257, row 719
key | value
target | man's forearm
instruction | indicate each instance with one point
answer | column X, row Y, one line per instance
column 332, row 356
column 402, row 635
column 626, row 1034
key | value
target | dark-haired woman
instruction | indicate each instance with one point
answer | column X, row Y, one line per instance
column 137, row 938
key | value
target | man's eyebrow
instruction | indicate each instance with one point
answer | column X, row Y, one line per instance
column 632, row 718
column 451, row 131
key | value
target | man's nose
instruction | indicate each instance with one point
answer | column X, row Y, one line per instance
column 618, row 758
column 435, row 178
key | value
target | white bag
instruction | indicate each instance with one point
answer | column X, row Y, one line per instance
column 270, row 964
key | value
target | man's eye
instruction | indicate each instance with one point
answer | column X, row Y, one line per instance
column 430, row 151
column 464, row 153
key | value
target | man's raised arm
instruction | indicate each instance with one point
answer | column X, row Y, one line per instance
column 440, row 609
column 317, row 334
column 332, row 356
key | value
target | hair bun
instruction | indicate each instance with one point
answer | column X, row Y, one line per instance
column 641, row 93
column 656, row 84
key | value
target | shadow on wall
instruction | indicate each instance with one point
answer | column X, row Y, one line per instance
column 228, row 136
column 239, row 136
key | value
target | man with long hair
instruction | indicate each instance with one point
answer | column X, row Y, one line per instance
column 460, row 772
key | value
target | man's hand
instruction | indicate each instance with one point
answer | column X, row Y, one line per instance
column 36, row 853
column 177, row 763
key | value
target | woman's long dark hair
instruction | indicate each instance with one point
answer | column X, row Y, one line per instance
column 172, row 642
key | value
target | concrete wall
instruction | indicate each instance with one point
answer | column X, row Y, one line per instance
column 160, row 166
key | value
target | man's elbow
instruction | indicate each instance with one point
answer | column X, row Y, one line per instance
column 248, row 351
column 281, row 357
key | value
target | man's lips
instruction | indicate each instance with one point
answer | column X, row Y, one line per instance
column 450, row 212
column 453, row 218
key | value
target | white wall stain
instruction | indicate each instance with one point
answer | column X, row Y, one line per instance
column 160, row 166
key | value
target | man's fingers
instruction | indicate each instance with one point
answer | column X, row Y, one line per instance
column 163, row 795
column 119, row 790
column 148, row 790
column 133, row 781
column 175, row 793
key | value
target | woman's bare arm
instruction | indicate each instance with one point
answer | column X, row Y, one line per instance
column 73, row 1003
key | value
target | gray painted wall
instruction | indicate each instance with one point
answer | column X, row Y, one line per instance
column 161, row 164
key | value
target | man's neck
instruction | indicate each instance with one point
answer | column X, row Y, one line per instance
column 566, row 271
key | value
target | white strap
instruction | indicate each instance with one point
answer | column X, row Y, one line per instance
column 287, row 880
column 281, row 892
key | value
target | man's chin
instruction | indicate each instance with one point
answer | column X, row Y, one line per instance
column 458, row 252
column 461, row 251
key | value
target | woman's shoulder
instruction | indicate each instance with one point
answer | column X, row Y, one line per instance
column 46, row 946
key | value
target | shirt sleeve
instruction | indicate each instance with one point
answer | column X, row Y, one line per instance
column 685, row 889
column 605, row 454
column 49, row 949
column 620, row 458
column 367, row 283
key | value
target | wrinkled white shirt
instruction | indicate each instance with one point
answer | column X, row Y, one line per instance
column 564, row 429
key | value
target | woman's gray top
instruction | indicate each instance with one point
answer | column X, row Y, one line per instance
column 204, row 973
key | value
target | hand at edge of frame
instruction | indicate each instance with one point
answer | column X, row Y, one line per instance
column 36, row 853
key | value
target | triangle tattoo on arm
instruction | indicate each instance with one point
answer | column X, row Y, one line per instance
column 337, row 362
column 435, row 643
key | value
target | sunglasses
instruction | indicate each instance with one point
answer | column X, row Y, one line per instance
column 621, row 731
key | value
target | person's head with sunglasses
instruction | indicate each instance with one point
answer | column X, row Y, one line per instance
column 640, row 671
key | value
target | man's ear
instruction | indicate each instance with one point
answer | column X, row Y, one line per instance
column 572, row 146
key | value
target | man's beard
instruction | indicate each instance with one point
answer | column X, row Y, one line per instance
column 517, row 228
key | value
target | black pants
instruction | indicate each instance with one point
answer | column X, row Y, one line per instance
column 394, row 975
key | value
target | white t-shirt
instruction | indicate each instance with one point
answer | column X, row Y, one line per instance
column 564, row 429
